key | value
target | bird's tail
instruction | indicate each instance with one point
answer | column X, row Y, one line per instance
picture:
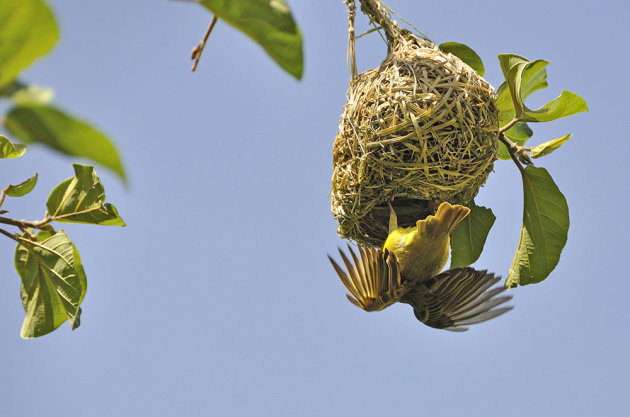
column 444, row 220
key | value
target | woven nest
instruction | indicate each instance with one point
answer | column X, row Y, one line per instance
column 423, row 128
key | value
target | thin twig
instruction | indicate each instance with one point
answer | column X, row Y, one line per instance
column 509, row 125
column 44, row 223
column 198, row 50
column 521, row 151
column 515, row 152
column 25, row 223
column 3, row 194
column 4, row 232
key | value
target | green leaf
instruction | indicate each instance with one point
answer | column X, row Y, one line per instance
column 60, row 131
column 523, row 78
column 9, row 89
column 81, row 199
column 544, row 231
column 32, row 94
column 53, row 282
column 469, row 237
column 507, row 61
column 23, row 188
column 9, row 149
column 466, row 54
column 27, row 31
column 548, row 147
column 75, row 321
column 520, row 132
column 567, row 104
column 269, row 23
column 533, row 78
column 504, row 104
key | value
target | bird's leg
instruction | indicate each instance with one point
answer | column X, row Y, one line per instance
column 393, row 220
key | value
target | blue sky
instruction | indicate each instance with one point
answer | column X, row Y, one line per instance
column 218, row 298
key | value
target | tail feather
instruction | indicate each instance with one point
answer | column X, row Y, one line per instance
column 446, row 218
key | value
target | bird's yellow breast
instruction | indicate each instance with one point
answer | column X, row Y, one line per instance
column 420, row 257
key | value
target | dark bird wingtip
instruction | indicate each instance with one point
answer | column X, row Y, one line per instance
column 457, row 329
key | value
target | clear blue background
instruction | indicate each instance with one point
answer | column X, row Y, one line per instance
column 218, row 299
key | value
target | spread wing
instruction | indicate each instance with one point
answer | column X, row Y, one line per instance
column 372, row 278
column 457, row 298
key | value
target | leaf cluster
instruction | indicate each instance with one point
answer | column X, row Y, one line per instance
column 49, row 265
column 27, row 33
column 53, row 278
column 545, row 211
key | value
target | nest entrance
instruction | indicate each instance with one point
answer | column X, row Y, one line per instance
column 423, row 128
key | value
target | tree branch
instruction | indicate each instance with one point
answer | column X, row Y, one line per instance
column 25, row 223
column 4, row 232
column 3, row 194
column 517, row 153
column 198, row 50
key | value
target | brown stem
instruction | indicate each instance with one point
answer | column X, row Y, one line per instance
column 509, row 125
column 25, row 223
column 516, row 152
column 4, row 232
column 41, row 224
column 3, row 194
column 198, row 50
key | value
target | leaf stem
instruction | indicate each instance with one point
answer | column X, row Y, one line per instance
column 198, row 50
column 509, row 125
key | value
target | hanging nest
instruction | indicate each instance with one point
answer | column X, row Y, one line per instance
column 423, row 128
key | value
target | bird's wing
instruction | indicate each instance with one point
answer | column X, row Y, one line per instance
column 372, row 278
column 457, row 298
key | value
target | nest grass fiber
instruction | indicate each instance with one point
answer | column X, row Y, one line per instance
column 423, row 128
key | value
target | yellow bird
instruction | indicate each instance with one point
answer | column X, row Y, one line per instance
column 407, row 270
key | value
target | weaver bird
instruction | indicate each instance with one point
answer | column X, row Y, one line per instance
column 407, row 269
